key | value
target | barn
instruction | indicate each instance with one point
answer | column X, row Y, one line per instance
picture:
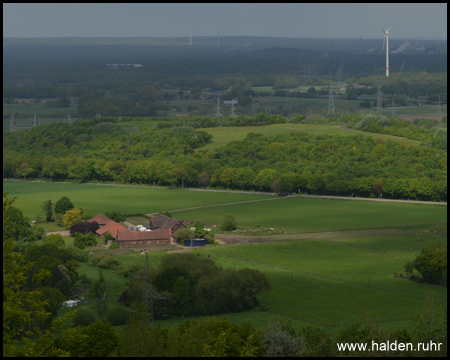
column 137, row 238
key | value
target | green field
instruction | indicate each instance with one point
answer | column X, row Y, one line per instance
column 340, row 295
column 223, row 135
column 94, row 199
column 315, row 215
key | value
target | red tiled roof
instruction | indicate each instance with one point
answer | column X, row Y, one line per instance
column 105, row 228
column 144, row 235
column 101, row 219
column 116, row 229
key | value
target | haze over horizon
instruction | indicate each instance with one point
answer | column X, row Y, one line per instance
column 267, row 20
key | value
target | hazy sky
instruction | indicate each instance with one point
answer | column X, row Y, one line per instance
column 279, row 20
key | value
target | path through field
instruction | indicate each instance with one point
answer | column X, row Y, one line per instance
column 301, row 195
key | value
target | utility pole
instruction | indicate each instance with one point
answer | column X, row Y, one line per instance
column 379, row 103
column 330, row 103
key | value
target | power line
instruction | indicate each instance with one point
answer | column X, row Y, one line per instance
column 379, row 103
column 148, row 294
column 330, row 102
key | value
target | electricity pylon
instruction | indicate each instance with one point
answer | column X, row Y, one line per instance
column 148, row 294
column 12, row 126
column 232, row 109
column 379, row 103
column 218, row 113
column 331, row 103
column 69, row 119
column 34, row 119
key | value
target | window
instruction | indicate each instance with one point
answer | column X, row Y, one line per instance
column 140, row 242
column 157, row 242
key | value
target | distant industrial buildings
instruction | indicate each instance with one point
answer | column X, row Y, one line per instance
column 121, row 66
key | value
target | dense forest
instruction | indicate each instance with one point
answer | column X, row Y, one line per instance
column 106, row 150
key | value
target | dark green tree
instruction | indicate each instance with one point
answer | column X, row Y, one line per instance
column 180, row 295
column 62, row 205
column 47, row 206
column 84, row 317
column 15, row 224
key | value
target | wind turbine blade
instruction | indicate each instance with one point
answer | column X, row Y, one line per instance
column 382, row 27
column 389, row 29
column 384, row 41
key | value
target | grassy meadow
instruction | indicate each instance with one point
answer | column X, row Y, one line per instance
column 296, row 214
column 223, row 135
column 94, row 199
column 340, row 295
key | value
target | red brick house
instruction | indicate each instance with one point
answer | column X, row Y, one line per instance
column 136, row 238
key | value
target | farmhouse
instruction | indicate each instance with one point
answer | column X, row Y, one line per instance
column 111, row 227
column 101, row 219
column 164, row 222
column 136, row 238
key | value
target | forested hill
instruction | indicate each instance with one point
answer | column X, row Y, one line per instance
column 321, row 164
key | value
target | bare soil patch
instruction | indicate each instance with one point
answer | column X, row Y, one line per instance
column 62, row 233
column 233, row 239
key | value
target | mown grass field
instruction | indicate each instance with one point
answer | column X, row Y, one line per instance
column 94, row 199
column 330, row 283
column 307, row 298
column 223, row 135
column 314, row 215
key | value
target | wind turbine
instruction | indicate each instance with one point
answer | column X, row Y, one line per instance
column 386, row 38
column 190, row 37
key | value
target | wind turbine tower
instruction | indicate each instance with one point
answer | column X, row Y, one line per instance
column 386, row 38
column 190, row 37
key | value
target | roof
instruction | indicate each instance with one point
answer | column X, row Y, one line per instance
column 112, row 227
column 104, row 229
column 163, row 222
column 100, row 218
column 144, row 235
column 116, row 229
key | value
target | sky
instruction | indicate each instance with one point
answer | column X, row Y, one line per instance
column 423, row 20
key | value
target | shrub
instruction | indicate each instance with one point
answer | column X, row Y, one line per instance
column 79, row 255
column 96, row 259
column 118, row 315
column 84, row 228
column 84, row 317
column 55, row 239
column 71, row 217
column 184, row 234
column 114, row 245
column 85, row 240
column 229, row 223
column 109, row 262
